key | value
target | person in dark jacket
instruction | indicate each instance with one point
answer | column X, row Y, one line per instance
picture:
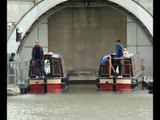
column 12, row 71
column 118, row 55
column 37, row 59
column 12, row 58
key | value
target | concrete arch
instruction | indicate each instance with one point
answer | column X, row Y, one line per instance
column 27, row 21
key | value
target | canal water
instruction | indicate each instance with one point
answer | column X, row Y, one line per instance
column 82, row 102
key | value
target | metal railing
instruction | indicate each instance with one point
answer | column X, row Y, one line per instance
column 19, row 74
column 12, row 75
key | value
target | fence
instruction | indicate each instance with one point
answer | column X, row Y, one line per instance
column 17, row 74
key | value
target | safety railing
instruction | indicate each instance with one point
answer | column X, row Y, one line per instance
column 19, row 74
column 12, row 75
column 108, row 70
column 130, row 67
column 148, row 67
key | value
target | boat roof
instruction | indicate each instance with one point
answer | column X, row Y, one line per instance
column 54, row 55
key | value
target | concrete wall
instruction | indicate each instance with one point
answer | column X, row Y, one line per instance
column 147, row 4
column 84, row 35
column 39, row 33
column 16, row 9
column 139, row 43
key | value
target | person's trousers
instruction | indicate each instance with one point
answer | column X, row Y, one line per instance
column 39, row 67
column 117, row 62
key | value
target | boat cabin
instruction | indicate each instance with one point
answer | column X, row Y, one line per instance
column 56, row 77
column 131, row 69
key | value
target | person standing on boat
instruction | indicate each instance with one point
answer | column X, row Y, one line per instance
column 37, row 59
column 117, row 58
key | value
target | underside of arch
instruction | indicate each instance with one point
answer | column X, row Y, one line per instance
column 40, row 10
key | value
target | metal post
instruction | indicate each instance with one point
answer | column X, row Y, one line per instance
column 114, row 81
column 114, row 78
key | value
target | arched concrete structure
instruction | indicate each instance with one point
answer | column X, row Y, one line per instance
column 40, row 9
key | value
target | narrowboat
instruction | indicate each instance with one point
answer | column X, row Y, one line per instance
column 131, row 78
column 56, row 78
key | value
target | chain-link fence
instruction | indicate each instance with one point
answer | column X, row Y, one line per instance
column 11, row 77
column 148, row 67
column 18, row 73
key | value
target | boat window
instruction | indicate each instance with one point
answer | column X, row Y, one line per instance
column 47, row 66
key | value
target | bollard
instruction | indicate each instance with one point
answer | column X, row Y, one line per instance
column 23, row 88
